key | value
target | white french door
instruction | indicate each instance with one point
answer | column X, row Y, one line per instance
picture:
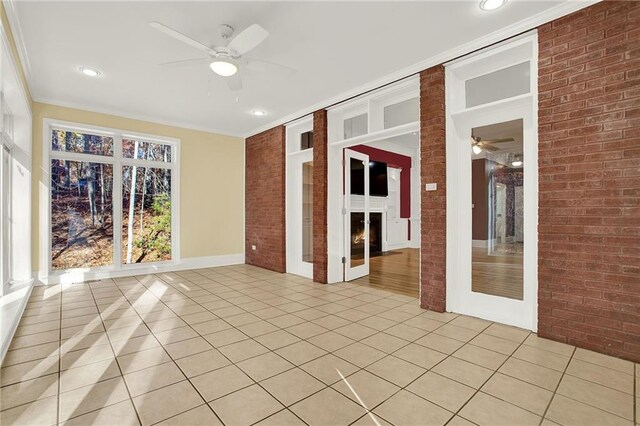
column 492, row 184
column 300, row 213
column 356, row 215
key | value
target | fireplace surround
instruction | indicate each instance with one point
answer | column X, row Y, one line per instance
column 357, row 234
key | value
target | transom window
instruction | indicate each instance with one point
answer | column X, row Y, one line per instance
column 112, row 201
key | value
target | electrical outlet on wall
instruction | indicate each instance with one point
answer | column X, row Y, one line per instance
column 253, row 247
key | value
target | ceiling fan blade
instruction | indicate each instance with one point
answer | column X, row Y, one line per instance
column 234, row 82
column 185, row 63
column 248, row 39
column 499, row 140
column 181, row 37
column 265, row 67
column 489, row 148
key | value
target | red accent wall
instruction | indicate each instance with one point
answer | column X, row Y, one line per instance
column 433, row 170
column 320, row 196
column 265, row 200
column 479, row 198
column 589, row 168
column 393, row 160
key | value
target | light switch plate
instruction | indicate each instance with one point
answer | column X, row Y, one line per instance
column 430, row 186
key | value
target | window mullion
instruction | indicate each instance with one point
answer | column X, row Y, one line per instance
column 117, row 202
column 147, row 163
column 76, row 156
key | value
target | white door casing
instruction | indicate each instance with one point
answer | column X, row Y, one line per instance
column 460, row 122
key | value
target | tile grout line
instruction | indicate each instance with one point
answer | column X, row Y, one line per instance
column 401, row 388
column 115, row 357
column 178, row 315
column 285, row 407
column 269, row 285
column 553, row 396
column 172, row 359
column 207, row 403
column 325, row 386
column 457, row 413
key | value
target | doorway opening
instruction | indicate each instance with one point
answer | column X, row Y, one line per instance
column 381, row 250
column 373, row 189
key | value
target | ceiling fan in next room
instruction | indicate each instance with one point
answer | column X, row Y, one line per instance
column 478, row 145
column 226, row 60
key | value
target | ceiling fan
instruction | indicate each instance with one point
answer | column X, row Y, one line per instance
column 478, row 145
column 226, row 60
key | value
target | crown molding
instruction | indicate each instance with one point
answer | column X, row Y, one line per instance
column 138, row 117
column 16, row 32
column 512, row 30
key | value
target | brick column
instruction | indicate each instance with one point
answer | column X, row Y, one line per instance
column 432, row 169
column 265, row 200
column 589, row 168
column 320, row 196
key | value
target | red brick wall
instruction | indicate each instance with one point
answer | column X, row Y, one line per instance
column 265, row 200
column 432, row 170
column 589, row 165
column 320, row 196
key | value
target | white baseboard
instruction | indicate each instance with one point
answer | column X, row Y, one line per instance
column 75, row 276
column 398, row 246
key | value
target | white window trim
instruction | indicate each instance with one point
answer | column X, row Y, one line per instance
column 46, row 274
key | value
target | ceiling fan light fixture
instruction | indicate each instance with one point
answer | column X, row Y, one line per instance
column 517, row 161
column 476, row 149
column 223, row 67
column 491, row 4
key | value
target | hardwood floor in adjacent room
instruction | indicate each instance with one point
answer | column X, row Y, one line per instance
column 397, row 271
column 498, row 275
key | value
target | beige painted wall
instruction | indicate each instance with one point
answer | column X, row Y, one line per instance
column 211, row 181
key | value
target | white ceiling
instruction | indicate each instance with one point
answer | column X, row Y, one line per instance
column 336, row 47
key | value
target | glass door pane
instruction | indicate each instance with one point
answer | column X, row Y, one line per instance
column 307, row 211
column 358, row 239
column 357, row 215
column 146, row 214
column 497, row 217
column 81, row 214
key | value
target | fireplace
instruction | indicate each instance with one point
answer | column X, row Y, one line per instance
column 357, row 234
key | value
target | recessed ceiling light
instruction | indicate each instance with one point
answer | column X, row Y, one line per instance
column 91, row 72
column 223, row 67
column 258, row 112
column 491, row 4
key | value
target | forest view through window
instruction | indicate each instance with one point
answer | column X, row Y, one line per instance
column 93, row 190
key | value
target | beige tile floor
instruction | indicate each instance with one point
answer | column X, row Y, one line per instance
column 240, row 346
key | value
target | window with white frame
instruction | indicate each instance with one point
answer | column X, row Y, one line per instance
column 112, row 201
